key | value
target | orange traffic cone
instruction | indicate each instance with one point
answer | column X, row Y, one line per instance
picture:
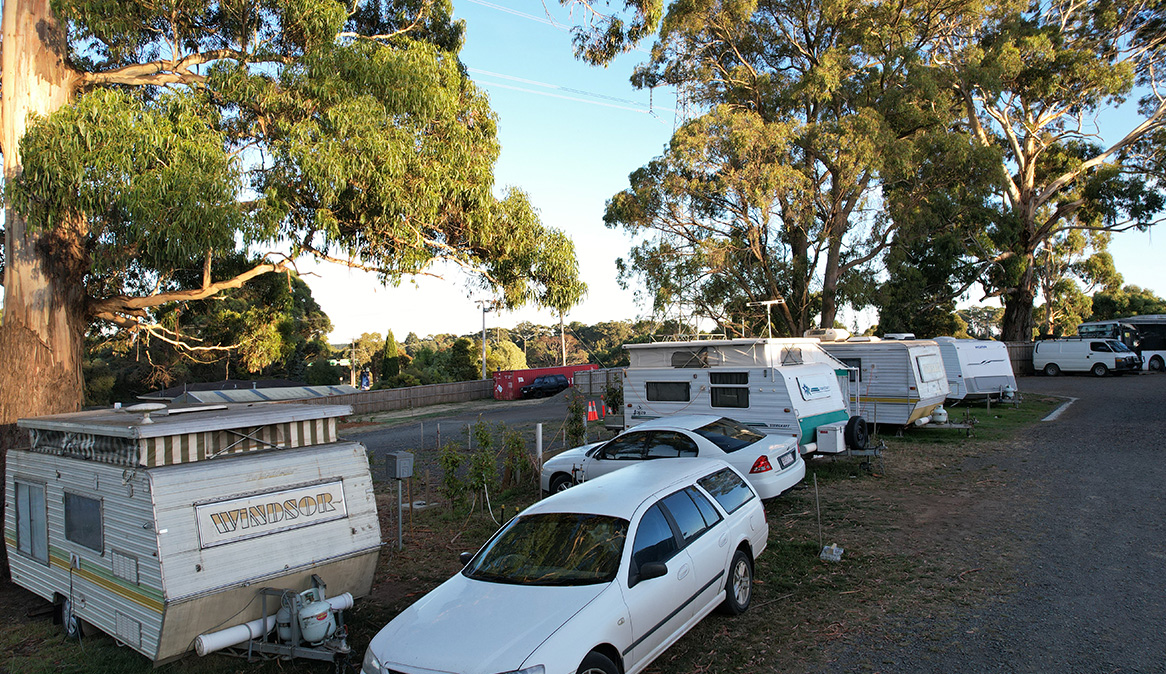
column 602, row 408
column 592, row 415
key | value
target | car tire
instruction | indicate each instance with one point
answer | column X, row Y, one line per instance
column 857, row 434
column 1099, row 370
column 1052, row 370
column 561, row 482
column 597, row 663
column 1156, row 364
column 739, row 588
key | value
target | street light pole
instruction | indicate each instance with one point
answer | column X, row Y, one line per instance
column 485, row 307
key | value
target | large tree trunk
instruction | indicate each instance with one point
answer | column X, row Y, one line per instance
column 44, row 299
column 1017, row 324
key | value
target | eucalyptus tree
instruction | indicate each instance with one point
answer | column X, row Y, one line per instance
column 1033, row 78
column 817, row 115
column 145, row 138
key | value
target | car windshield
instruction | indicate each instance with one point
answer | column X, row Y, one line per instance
column 553, row 549
column 729, row 435
column 1119, row 346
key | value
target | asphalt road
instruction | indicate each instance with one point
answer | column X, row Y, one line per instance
column 1090, row 596
column 423, row 431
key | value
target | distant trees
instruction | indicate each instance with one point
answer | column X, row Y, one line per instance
column 829, row 135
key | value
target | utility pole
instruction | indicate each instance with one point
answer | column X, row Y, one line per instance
column 486, row 306
column 563, row 338
column 768, row 304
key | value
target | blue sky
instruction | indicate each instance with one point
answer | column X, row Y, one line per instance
column 570, row 135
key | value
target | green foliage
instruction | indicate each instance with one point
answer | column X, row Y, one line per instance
column 576, row 426
column 504, row 355
column 453, row 487
column 983, row 322
column 464, row 361
column 321, row 372
column 613, row 397
column 203, row 134
column 390, row 361
column 516, row 463
column 1129, row 300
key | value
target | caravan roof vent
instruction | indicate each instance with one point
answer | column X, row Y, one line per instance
column 829, row 334
column 899, row 335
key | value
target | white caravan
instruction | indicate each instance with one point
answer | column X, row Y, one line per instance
column 778, row 386
column 157, row 526
column 893, row 382
column 976, row 368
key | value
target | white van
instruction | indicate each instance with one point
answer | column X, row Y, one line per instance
column 1076, row 354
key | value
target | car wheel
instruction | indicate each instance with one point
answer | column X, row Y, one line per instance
column 597, row 663
column 70, row 621
column 739, row 590
column 561, row 482
column 1156, row 364
column 1052, row 369
column 856, row 434
column 1100, row 370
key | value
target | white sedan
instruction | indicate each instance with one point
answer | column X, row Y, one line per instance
column 599, row 579
column 770, row 462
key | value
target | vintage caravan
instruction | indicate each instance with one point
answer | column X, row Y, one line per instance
column 779, row 386
column 976, row 368
column 894, row 382
column 157, row 526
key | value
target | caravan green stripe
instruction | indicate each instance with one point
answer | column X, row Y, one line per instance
column 809, row 425
column 146, row 597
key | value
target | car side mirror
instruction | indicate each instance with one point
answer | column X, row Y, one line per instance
column 649, row 571
column 465, row 557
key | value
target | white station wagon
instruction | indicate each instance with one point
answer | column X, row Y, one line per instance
column 599, row 579
column 771, row 463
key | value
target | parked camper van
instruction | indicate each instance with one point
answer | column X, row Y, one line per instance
column 894, row 382
column 976, row 368
column 779, row 386
column 1082, row 354
column 157, row 526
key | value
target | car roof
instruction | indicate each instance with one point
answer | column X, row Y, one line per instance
column 688, row 422
column 621, row 492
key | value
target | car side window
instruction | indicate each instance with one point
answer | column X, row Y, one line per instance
column 626, row 447
column 655, row 540
column 669, row 445
column 727, row 488
column 1099, row 346
column 710, row 514
column 687, row 515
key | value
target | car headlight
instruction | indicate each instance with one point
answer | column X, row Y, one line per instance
column 370, row 665
column 537, row 669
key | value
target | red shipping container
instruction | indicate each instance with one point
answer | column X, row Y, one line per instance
column 508, row 384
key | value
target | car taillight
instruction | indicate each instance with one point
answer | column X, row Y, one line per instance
column 761, row 465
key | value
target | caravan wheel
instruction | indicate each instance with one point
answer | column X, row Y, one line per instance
column 856, row 433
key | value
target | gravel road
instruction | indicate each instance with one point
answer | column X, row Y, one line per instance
column 1088, row 503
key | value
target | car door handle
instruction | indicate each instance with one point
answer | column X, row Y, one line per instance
column 682, row 572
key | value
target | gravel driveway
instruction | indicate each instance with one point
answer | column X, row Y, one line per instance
column 1089, row 506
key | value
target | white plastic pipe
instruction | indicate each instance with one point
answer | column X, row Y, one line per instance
column 232, row 636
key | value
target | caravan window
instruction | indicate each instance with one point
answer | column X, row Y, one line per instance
column 667, row 391
column 729, row 396
column 856, row 373
column 83, row 521
column 729, row 378
column 931, row 367
column 691, row 358
column 32, row 536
